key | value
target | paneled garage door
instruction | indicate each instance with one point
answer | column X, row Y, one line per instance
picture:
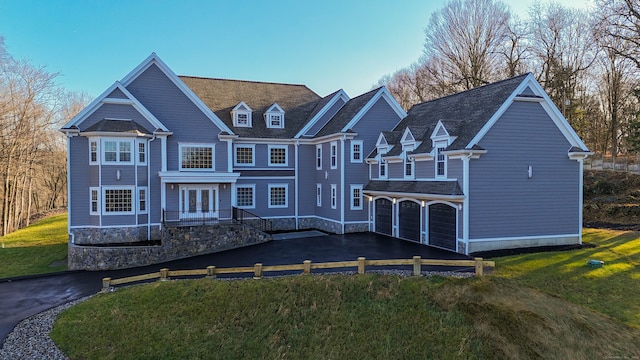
column 383, row 216
column 409, row 220
column 442, row 226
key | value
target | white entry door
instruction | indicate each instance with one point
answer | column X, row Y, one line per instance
column 198, row 201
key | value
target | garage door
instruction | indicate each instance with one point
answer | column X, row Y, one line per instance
column 409, row 220
column 442, row 226
column 383, row 216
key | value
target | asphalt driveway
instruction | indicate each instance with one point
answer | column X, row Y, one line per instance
column 22, row 298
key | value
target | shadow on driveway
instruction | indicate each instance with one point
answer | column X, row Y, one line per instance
column 22, row 298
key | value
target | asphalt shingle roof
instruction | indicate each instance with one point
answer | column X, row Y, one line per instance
column 346, row 113
column 108, row 125
column 221, row 96
column 451, row 188
column 463, row 114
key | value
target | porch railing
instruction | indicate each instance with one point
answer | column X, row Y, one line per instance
column 200, row 218
column 243, row 216
column 196, row 218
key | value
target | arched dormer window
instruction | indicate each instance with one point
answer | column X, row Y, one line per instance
column 241, row 115
column 274, row 117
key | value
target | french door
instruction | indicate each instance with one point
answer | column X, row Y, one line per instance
column 198, row 201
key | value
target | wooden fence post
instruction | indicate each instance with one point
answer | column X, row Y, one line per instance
column 361, row 265
column 164, row 274
column 479, row 269
column 307, row 266
column 211, row 272
column 257, row 271
column 417, row 266
column 106, row 283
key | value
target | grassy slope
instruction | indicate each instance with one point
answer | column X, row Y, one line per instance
column 547, row 305
column 32, row 250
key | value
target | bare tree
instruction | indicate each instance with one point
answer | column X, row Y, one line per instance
column 619, row 21
column 467, row 37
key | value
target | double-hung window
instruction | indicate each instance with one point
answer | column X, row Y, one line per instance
column 408, row 167
column 94, row 206
column 319, row 157
column 334, row 196
column 93, row 151
column 334, row 155
column 356, row 151
column 142, row 200
column 356, row 197
column 277, row 155
column 244, row 155
column 196, row 157
column 318, row 195
column 383, row 169
column 142, row 152
column 441, row 160
column 117, row 151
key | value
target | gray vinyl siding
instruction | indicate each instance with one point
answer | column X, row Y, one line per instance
column 79, row 182
column 325, row 118
column 178, row 113
column 380, row 117
column 127, row 175
column 154, row 162
column 454, row 170
column 307, row 180
column 425, row 169
column 395, row 170
column 326, row 177
column 503, row 201
column 262, row 197
column 262, row 156
column 116, row 93
column 116, row 111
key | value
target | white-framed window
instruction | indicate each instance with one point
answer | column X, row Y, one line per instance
column 356, row 151
column 275, row 121
column 142, row 152
column 278, row 196
column 118, row 200
column 94, row 201
column 93, row 151
column 142, row 200
column 117, row 151
column 441, row 160
column 318, row 195
column 382, row 168
column 246, row 196
column 356, row 197
column 242, row 119
column 319, row 157
column 196, row 157
column 244, row 155
column 278, row 155
column 408, row 167
column 334, row 196
column 241, row 114
column 274, row 117
column 334, row 154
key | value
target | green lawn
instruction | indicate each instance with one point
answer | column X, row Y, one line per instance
column 546, row 305
column 37, row 249
column 613, row 290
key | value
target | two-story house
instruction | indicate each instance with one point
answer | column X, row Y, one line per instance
column 490, row 168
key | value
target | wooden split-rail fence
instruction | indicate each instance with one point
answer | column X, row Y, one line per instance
column 258, row 269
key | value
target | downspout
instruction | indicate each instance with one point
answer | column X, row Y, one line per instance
column 342, row 202
column 465, row 202
column 149, row 187
column 297, row 182
column 163, row 165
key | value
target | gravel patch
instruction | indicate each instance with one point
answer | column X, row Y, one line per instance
column 30, row 339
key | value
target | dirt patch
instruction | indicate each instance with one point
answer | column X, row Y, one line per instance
column 611, row 200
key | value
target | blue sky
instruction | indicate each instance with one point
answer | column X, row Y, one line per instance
column 325, row 45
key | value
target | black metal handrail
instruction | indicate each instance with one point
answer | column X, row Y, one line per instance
column 243, row 216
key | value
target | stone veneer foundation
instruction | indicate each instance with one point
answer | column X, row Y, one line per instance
column 177, row 243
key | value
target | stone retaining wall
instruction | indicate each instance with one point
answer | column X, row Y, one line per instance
column 177, row 243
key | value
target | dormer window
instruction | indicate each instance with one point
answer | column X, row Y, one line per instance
column 274, row 116
column 241, row 115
